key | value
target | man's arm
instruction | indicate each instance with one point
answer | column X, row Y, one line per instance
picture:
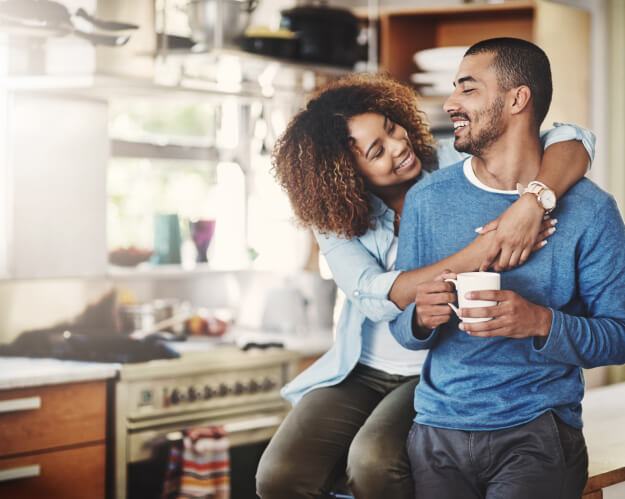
column 595, row 339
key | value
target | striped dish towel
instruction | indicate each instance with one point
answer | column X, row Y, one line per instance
column 201, row 469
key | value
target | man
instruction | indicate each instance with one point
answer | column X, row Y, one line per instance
column 499, row 402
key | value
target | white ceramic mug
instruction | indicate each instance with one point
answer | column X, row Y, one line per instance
column 474, row 281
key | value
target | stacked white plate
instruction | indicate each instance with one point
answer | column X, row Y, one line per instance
column 438, row 69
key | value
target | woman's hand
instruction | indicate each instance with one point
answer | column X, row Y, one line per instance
column 520, row 230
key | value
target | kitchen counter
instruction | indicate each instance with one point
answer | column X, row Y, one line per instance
column 603, row 412
column 23, row 372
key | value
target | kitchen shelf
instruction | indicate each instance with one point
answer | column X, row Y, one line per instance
column 316, row 68
column 104, row 87
column 407, row 30
column 165, row 271
column 135, row 149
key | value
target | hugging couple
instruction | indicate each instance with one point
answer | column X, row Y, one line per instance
column 412, row 402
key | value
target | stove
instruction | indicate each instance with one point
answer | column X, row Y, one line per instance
column 207, row 385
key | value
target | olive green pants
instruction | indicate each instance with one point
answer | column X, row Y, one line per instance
column 357, row 428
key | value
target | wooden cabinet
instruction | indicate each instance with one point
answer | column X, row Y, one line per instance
column 563, row 32
column 53, row 441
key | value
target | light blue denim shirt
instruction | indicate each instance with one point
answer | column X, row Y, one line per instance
column 357, row 266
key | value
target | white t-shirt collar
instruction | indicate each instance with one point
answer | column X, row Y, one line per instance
column 467, row 168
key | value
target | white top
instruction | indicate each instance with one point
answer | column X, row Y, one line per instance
column 380, row 350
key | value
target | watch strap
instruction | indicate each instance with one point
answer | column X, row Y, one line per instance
column 536, row 188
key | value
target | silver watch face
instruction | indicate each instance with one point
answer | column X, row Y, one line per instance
column 548, row 199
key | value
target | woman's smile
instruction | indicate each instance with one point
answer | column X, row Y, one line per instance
column 382, row 149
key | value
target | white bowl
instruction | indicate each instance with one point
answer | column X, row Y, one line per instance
column 438, row 78
column 440, row 59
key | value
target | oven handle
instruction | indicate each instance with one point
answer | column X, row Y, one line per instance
column 238, row 426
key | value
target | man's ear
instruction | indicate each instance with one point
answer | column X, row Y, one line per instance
column 520, row 98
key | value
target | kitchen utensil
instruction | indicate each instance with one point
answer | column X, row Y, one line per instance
column 285, row 48
column 50, row 18
column 440, row 58
column 219, row 23
column 285, row 309
column 262, row 40
column 167, row 239
column 129, row 257
column 144, row 319
column 326, row 35
column 202, row 232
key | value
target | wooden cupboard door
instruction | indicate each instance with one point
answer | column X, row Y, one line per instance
column 69, row 414
column 78, row 473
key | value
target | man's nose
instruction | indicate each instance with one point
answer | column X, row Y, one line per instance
column 450, row 103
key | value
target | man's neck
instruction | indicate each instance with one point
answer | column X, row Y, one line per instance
column 514, row 158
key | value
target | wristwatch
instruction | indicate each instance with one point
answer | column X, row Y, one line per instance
column 544, row 195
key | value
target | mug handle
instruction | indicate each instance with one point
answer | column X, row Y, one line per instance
column 453, row 307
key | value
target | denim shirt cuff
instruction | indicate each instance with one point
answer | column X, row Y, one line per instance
column 378, row 289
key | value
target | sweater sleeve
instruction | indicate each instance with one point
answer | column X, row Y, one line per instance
column 598, row 337
column 365, row 282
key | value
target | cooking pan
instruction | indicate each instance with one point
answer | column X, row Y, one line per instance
column 222, row 21
column 326, row 35
column 50, row 18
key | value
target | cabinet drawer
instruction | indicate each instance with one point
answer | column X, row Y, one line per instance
column 69, row 474
column 34, row 419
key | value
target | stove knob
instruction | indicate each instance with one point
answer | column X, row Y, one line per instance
column 192, row 394
column 208, row 392
column 253, row 386
column 175, row 396
column 239, row 388
column 223, row 390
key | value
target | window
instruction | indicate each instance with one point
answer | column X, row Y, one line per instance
column 208, row 161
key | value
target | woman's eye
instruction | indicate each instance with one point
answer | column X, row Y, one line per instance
column 391, row 127
column 378, row 153
column 467, row 90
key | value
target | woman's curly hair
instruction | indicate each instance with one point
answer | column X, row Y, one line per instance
column 314, row 162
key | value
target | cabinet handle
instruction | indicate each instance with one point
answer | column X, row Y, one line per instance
column 21, row 472
column 23, row 404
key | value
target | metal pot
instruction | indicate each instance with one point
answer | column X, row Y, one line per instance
column 326, row 35
column 219, row 23
column 144, row 315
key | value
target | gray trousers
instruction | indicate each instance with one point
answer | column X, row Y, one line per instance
column 542, row 459
column 358, row 428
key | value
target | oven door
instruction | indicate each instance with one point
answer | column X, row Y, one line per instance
column 248, row 435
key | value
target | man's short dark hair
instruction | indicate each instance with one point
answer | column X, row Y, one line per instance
column 519, row 62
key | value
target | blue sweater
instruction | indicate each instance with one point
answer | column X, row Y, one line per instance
column 474, row 383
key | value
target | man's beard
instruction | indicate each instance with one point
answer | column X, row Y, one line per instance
column 491, row 130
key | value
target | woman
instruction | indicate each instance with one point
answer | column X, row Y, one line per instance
column 346, row 162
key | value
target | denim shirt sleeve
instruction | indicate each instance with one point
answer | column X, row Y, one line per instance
column 447, row 154
column 408, row 258
column 563, row 132
column 360, row 275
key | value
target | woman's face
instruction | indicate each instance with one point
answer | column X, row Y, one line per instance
column 383, row 151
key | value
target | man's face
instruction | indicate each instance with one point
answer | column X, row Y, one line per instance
column 476, row 105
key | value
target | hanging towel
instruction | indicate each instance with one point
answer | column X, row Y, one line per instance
column 199, row 466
